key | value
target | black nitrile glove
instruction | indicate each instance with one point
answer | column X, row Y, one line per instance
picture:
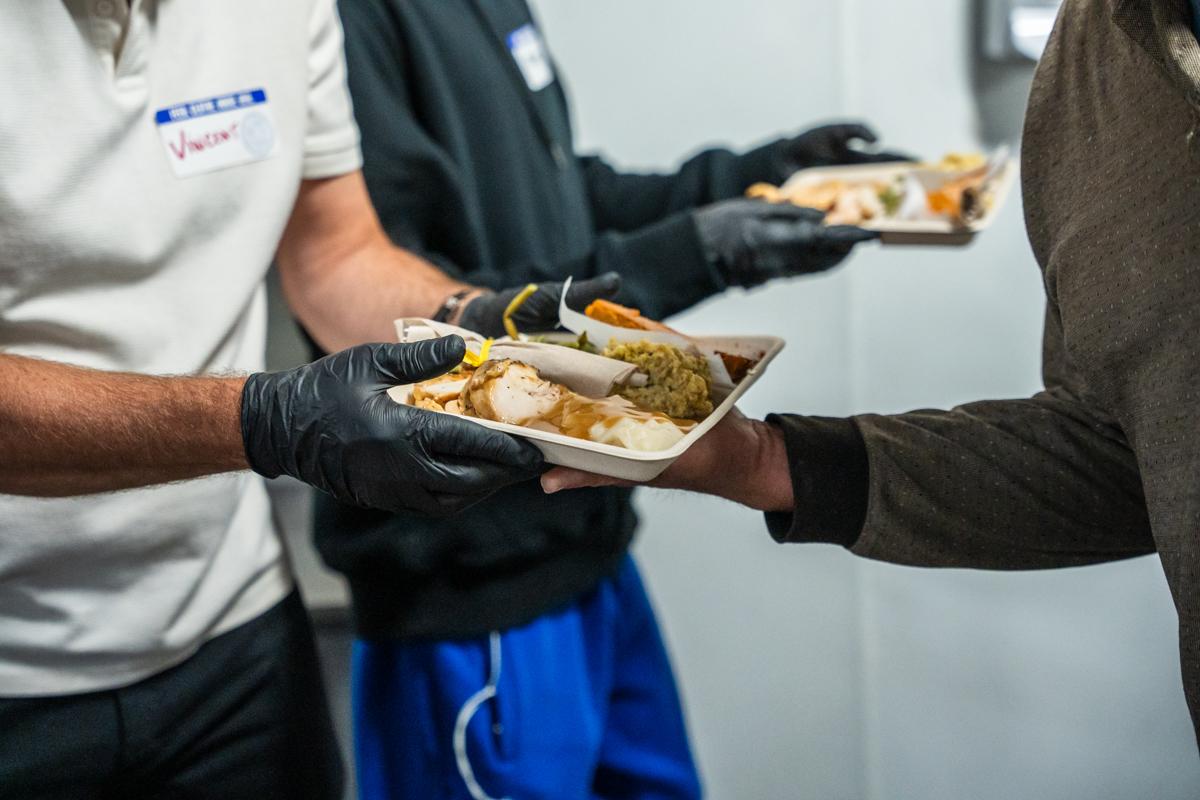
column 539, row 313
column 331, row 424
column 750, row 242
column 826, row 146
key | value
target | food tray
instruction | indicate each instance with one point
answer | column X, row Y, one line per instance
column 632, row 465
column 935, row 232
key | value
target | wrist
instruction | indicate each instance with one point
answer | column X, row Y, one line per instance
column 452, row 308
column 742, row 460
column 766, row 163
column 830, row 472
column 664, row 266
column 765, row 478
column 230, row 414
column 200, row 422
column 254, row 417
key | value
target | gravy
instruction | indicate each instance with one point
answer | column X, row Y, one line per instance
column 577, row 416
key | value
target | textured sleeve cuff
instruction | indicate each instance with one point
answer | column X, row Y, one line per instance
column 830, row 479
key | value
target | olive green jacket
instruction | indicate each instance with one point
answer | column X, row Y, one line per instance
column 1105, row 463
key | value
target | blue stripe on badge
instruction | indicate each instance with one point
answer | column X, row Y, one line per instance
column 210, row 105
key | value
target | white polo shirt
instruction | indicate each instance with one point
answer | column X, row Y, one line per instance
column 149, row 159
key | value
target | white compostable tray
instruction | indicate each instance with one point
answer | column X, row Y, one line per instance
column 936, row 232
column 633, row 465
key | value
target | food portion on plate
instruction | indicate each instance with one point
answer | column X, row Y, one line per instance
column 960, row 189
column 647, row 408
column 618, row 316
column 624, row 400
column 515, row 393
column 678, row 383
column 644, row 390
column 669, row 379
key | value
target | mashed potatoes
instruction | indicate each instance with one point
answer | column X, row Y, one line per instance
column 679, row 384
column 646, row 435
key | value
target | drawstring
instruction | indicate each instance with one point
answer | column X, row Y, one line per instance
column 464, row 719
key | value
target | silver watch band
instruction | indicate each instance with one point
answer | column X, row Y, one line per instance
column 450, row 305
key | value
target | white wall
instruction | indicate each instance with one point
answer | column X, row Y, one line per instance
column 809, row 674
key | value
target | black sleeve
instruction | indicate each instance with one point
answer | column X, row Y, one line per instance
column 646, row 228
column 628, row 201
column 1048, row 481
column 1010, row 484
column 662, row 265
column 413, row 183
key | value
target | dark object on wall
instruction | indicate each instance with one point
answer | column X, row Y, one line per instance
column 1015, row 30
column 1008, row 37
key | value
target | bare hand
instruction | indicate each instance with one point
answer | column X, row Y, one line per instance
column 740, row 459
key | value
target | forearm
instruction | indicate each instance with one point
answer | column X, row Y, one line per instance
column 663, row 267
column 343, row 278
column 746, row 462
column 1021, row 484
column 627, row 201
column 1018, row 484
column 357, row 299
column 69, row 431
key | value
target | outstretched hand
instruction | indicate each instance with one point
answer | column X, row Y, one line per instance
column 751, row 242
column 840, row 143
column 740, row 459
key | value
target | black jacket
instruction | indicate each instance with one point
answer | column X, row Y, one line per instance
column 469, row 167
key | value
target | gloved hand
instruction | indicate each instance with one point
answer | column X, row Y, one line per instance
column 485, row 314
column 332, row 425
column 826, row 146
column 750, row 241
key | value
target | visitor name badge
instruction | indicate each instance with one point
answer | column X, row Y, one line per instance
column 529, row 51
column 217, row 132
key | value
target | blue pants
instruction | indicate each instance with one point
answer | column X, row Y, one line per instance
column 585, row 706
